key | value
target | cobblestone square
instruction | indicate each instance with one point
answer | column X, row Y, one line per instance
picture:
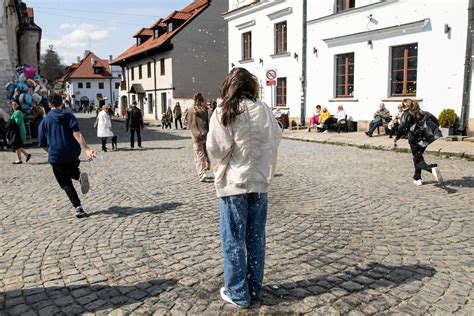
column 348, row 233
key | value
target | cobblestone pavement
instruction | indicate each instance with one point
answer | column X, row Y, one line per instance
column 348, row 233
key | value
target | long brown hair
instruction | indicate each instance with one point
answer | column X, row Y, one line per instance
column 238, row 84
column 199, row 102
column 413, row 107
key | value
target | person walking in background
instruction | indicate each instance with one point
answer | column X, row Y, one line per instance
column 104, row 126
column 177, row 115
column 19, row 138
column 4, row 118
column 244, row 136
column 416, row 124
column 134, row 122
column 60, row 137
column 198, row 123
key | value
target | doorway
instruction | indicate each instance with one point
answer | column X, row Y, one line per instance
column 163, row 102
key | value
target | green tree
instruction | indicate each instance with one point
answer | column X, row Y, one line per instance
column 50, row 66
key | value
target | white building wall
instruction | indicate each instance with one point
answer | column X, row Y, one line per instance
column 72, row 88
column 440, row 55
column 260, row 19
column 164, row 84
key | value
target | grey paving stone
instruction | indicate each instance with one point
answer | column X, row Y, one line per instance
column 347, row 233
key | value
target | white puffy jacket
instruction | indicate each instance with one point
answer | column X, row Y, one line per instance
column 246, row 150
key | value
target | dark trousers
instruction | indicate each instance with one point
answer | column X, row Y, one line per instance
column 134, row 130
column 65, row 173
column 394, row 130
column 373, row 125
column 418, row 160
column 104, row 143
column 176, row 120
column 328, row 122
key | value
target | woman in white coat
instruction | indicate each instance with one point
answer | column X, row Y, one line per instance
column 104, row 126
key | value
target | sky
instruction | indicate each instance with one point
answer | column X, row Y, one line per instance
column 105, row 27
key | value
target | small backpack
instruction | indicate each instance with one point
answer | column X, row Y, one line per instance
column 425, row 131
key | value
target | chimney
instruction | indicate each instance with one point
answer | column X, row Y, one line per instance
column 111, row 58
column 78, row 59
column 86, row 52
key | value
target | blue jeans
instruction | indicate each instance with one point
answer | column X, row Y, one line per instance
column 373, row 125
column 243, row 219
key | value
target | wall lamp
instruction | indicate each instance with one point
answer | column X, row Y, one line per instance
column 369, row 42
column 295, row 56
column 261, row 61
column 232, row 65
column 315, row 50
column 447, row 28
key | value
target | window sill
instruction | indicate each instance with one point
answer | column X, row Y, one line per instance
column 246, row 61
column 400, row 99
column 343, row 100
column 280, row 55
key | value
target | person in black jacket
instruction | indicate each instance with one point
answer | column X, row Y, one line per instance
column 412, row 127
column 134, row 121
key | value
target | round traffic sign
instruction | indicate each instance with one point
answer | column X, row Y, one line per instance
column 271, row 74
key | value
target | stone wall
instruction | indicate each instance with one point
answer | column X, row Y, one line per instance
column 8, row 45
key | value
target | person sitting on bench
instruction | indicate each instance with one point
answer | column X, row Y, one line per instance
column 380, row 117
column 325, row 120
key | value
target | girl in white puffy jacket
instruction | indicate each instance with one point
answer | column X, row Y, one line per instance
column 244, row 137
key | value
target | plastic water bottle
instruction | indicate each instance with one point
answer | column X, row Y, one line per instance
column 98, row 158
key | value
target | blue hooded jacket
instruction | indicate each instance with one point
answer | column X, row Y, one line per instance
column 56, row 132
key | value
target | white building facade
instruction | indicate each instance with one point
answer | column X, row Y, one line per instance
column 91, row 80
column 266, row 35
column 359, row 53
column 364, row 52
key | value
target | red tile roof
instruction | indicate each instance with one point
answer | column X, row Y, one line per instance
column 144, row 32
column 85, row 69
column 186, row 14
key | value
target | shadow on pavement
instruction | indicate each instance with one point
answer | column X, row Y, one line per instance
column 78, row 299
column 465, row 182
column 149, row 148
column 376, row 275
column 129, row 211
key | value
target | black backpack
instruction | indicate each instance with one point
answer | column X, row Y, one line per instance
column 425, row 130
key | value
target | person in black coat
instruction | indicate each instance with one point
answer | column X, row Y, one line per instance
column 134, row 121
column 415, row 124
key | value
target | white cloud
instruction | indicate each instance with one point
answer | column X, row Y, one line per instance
column 74, row 43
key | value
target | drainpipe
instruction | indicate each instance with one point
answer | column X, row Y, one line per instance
column 154, row 80
column 128, row 86
column 304, row 70
column 467, row 72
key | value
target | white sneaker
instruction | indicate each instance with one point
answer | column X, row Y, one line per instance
column 418, row 182
column 319, row 126
column 80, row 212
column 437, row 174
column 325, row 132
column 226, row 298
column 84, row 181
column 202, row 177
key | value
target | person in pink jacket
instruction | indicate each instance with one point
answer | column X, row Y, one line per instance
column 244, row 137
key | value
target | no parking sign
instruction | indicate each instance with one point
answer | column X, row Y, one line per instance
column 271, row 75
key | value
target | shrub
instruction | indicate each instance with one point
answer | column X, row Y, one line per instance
column 447, row 118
